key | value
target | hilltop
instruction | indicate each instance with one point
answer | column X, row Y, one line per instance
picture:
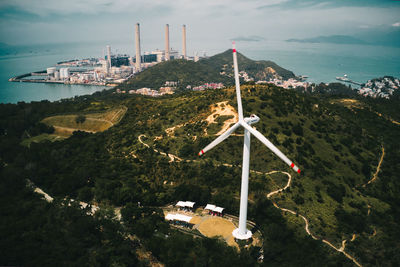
column 259, row 69
column 216, row 69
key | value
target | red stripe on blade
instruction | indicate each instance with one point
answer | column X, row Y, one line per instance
column 292, row 165
column 234, row 50
column 299, row 171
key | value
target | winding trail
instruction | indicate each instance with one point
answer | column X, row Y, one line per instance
column 271, row 194
column 171, row 157
column 306, row 227
column 387, row 118
column 142, row 252
column 375, row 176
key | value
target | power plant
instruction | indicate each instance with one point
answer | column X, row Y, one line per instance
column 184, row 41
column 138, row 54
column 167, row 42
column 141, row 61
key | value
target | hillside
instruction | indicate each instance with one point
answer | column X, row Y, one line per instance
column 203, row 71
column 257, row 69
column 150, row 157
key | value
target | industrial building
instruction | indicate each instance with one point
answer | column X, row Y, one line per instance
column 157, row 55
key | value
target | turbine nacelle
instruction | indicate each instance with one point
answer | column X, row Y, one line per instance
column 252, row 119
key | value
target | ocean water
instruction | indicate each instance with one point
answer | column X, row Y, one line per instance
column 24, row 59
column 325, row 62
column 321, row 62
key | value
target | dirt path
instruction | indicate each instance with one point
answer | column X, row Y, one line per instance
column 49, row 199
column 59, row 130
column 46, row 197
column 65, row 125
column 353, row 237
column 102, row 120
column 171, row 131
column 377, row 169
column 123, row 110
column 222, row 109
column 171, row 156
column 143, row 254
column 284, row 188
column 269, row 195
column 388, row 118
column 306, row 227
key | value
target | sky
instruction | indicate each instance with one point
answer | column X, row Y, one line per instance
column 216, row 22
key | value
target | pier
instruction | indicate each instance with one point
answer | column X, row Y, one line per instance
column 347, row 80
column 23, row 78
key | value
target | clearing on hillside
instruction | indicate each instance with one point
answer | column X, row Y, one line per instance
column 217, row 226
column 65, row 125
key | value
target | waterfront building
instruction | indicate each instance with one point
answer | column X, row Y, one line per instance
column 160, row 54
column 56, row 75
column 119, row 60
column 174, row 54
column 50, row 71
column 64, row 73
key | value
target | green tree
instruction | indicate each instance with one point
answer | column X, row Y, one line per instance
column 80, row 119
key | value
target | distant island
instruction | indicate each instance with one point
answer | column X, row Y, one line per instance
column 332, row 39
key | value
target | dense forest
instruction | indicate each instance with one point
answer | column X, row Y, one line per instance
column 336, row 142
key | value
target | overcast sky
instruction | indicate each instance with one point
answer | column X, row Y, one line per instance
column 208, row 21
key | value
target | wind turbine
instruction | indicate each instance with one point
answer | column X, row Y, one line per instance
column 242, row 232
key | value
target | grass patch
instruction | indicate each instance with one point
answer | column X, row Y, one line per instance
column 65, row 125
column 41, row 138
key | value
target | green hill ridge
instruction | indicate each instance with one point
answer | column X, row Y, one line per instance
column 336, row 142
column 204, row 71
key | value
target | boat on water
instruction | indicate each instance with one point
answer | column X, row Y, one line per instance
column 302, row 77
column 347, row 80
column 344, row 78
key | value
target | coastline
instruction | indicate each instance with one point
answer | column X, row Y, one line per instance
column 20, row 78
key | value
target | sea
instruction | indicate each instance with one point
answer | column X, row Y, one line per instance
column 320, row 62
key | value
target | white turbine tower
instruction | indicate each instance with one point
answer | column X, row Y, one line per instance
column 241, row 232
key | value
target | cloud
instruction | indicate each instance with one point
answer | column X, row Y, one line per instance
column 49, row 7
column 397, row 24
column 210, row 23
column 321, row 4
column 252, row 38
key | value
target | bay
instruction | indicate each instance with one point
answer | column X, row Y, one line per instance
column 24, row 59
column 325, row 62
column 321, row 62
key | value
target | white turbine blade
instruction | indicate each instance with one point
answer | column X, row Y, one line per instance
column 271, row 146
column 237, row 82
column 220, row 138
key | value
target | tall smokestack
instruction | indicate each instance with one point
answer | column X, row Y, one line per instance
column 109, row 55
column 138, row 55
column 166, row 42
column 184, row 41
